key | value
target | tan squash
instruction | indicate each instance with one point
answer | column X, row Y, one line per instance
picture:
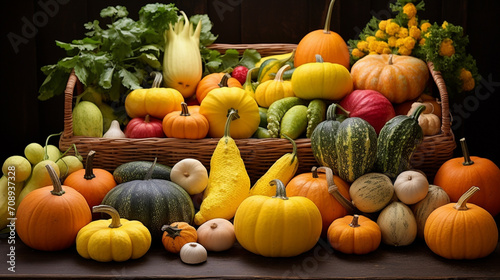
column 371, row 192
column 397, row 224
column 435, row 198
column 216, row 235
column 411, row 186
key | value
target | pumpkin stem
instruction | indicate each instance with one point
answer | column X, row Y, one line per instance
column 232, row 114
column 417, row 112
column 331, row 113
column 279, row 74
column 185, row 110
column 89, row 166
column 390, row 60
column 328, row 17
column 56, row 183
column 294, row 145
column 115, row 216
column 172, row 231
column 224, row 80
column 158, row 78
column 150, row 171
column 280, row 189
column 146, row 119
column 465, row 152
column 354, row 223
column 334, row 190
column 462, row 201
column 319, row 58
column 314, row 171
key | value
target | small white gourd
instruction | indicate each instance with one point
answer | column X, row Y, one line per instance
column 190, row 174
column 193, row 253
column 114, row 131
column 411, row 186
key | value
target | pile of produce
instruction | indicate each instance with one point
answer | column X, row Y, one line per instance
column 364, row 126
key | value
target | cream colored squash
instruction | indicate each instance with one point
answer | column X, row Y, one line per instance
column 193, row 253
column 216, row 235
column 411, row 186
column 397, row 224
column 435, row 198
column 371, row 192
column 190, row 174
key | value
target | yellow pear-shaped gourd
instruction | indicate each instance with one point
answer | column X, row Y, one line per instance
column 228, row 181
column 112, row 240
column 271, row 90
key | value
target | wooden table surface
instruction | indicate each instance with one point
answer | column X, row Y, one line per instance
column 415, row 261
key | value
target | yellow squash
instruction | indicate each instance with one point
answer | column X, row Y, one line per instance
column 228, row 181
column 283, row 169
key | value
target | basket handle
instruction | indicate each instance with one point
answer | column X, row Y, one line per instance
column 68, row 104
column 445, row 106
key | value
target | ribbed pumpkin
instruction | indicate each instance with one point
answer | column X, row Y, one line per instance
column 213, row 81
column 49, row 218
column 271, row 90
column 92, row 183
column 436, row 197
column 218, row 102
column 185, row 124
column 277, row 226
column 321, row 80
column 156, row 101
column 177, row 235
column 456, row 176
column 461, row 230
column 144, row 127
column 397, row 77
column 330, row 45
column 154, row 202
column 315, row 186
column 354, row 234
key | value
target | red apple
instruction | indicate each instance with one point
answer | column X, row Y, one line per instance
column 240, row 73
column 370, row 105
column 144, row 128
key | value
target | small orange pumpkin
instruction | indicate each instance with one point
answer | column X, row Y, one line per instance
column 213, row 81
column 461, row 230
column 184, row 124
column 354, row 234
column 456, row 176
column 177, row 235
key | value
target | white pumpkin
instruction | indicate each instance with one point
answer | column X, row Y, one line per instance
column 190, row 174
column 411, row 186
column 193, row 253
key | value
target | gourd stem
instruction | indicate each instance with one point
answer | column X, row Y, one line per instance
column 354, row 223
column 328, row 17
column 56, row 183
column 280, row 189
column 248, row 80
column 417, row 112
column 465, row 152
column 279, row 74
column 390, row 60
column 334, row 190
column 185, row 110
column 45, row 154
column 294, row 145
column 319, row 58
column 146, row 119
column 115, row 216
column 462, row 201
column 89, row 166
column 158, row 78
column 232, row 114
column 314, row 171
column 331, row 113
column 150, row 171
column 224, row 81
column 172, row 231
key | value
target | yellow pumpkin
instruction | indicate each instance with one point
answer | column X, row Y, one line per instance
column 218, row 102
column 397, row 77
column 112, row 240
column 277, row 226
column 321, row 80
column 272, row 90
column 155, row 101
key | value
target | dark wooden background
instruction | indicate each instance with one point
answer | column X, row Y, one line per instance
column 25, row 119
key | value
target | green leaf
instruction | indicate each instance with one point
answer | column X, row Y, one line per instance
column 158, row 16
column 55, row 82
column 151, row 60
column 106, row 78
column 230, row 58
column 129, row 80
column 206, row 36
column 151, row 48
column 249, row 58
column 114, row 12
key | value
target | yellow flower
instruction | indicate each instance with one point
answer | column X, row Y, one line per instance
column 371, row 38
column 445, row 24
column 412, row 22
column 415, row 32
column 386, row 51
column 381, row 46
column 421, row 42
column 402, row 33
column 400, row 42
column 425, row 26
column 404, row 50
column 372, row 52
column 468, row 82
column 410, row 10
column 357, row 53
column 392, row 41
column 380, row 34
column 392, row 28
column 372, row 46
column 382, row 24
column 409, row 43
column 362, row 45
column 446, row 48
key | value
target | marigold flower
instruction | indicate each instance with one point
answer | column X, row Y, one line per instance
column 410, row 10
column 409, row 43
column 381, row 46
column 421, row 42
column 372, row 46
column 400, row 42
column 424, row 26
column 402, row 33
column 445, row 24
column 383, row 24
column 357, row 53
column 362, row 45
column 412, row 22
column 386, row 51
column 415, row 32
column 392, row 28
column 404, row 50
column 468, row 82
column 380, row 34
column 446, row 48
column 392, row 41
column 371, row 38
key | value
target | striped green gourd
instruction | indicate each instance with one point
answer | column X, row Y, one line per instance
column 356, row 148
column 397, row 141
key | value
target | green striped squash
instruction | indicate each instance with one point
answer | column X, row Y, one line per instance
column 397, row 141
column 137, row 170
column 356, row 148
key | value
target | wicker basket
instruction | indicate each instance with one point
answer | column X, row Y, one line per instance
column 258, row 154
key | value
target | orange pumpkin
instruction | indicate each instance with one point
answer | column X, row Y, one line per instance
column 213, row 81
column 50, row 217
column 185, row 125
column 330, row 45
column 397, row 77
column 456, row 176
column 433, row 106
column 461, row 230
column 177, row 235
column 92, row 183
column 316, row 187
column 355, row 234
